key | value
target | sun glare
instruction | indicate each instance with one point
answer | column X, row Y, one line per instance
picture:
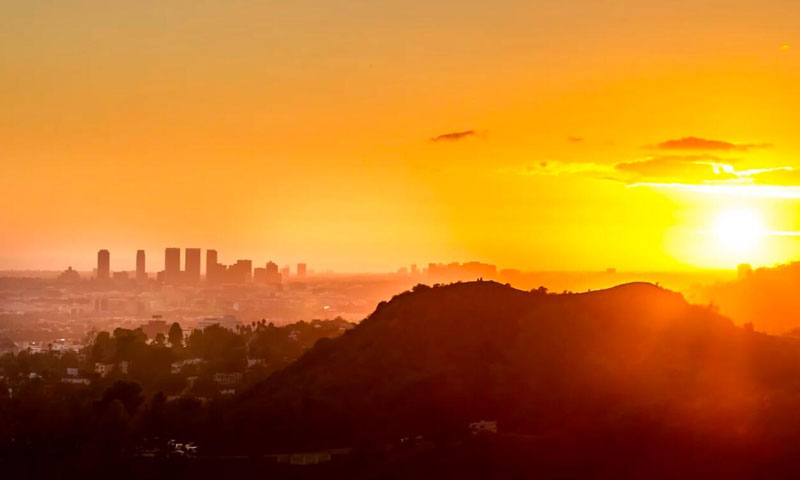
column 739, row 230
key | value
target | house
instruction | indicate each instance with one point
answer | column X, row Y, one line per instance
column 177, row 367
column 254, row 362
column 483, row 426
column 75, row 381
column 225, row 378
column 103, row 368
column 122, row 367
column 72, row 372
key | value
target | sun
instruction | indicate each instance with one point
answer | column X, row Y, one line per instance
column 739, row 230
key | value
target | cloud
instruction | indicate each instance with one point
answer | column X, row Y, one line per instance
column 696, row 172
column 575, row 139
column 689, row 167
column 703, row 144
column 453, row 136
column 704, row 169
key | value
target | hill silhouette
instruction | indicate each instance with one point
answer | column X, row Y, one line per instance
column 634, row 358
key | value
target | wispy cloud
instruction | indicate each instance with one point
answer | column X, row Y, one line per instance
column 704, row 144
column 453, row 136
column 705, row 169
column 737, row 190
column 676, row 166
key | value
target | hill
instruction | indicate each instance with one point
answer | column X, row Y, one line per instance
column 631, row 358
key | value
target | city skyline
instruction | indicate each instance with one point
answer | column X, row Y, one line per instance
column 193, row 270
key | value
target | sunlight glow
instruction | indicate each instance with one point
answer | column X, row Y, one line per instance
column 739, row 230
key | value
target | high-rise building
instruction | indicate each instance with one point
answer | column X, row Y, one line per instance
column 301, row 270
column 103, row 265
column 172, row 265
column 271, row 274
column 212, row 267
column 240, row 272
column 141, row 272
column 285, row 271
column 192, row 266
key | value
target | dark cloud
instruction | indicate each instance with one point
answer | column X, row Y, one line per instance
column 575, row 139
column 703, row 144
column 453, row 136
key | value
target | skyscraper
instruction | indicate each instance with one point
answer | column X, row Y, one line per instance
column 192, row 266
column 240, row 272
column 172, row 265
column 272, row 276
column 301, row 270
column 141, row 272
column 212, row 269
column 103, row 265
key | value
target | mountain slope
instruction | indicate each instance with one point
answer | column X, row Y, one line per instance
column 430, row 361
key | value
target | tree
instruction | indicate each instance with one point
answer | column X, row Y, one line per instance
column 128, row 393
column 176, row 335
column 160, row 339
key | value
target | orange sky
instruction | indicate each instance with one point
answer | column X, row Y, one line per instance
column 300, row 131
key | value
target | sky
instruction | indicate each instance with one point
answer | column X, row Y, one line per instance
column 363, row 135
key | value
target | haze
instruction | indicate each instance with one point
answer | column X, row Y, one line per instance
column 366, row 135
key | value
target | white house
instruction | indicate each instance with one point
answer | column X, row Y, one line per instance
column 103, row 368
column 483, row 426
column 177, row 367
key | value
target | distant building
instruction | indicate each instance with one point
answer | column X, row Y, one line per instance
column 103, row 265
column 192, row 266
column 301, row 270
column 120, row 276
column 212, row 267
column 228, row 378
column 155, row 326
column 240, row 272
column 268, row 275
column 285, row 271
column 228, row 321
column 72, row 372
column 744, row 270
column 141, row 272
column 172, row 265
column 69, row 276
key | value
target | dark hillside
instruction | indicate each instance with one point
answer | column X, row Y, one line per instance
column 430, row 361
